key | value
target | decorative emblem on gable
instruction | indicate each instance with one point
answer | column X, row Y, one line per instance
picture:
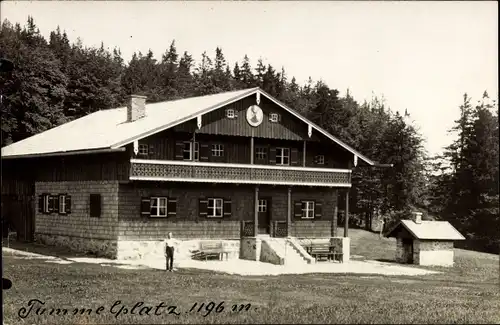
column 136, row 147
column 254, row 115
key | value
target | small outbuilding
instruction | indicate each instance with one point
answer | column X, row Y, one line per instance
column 425, row 242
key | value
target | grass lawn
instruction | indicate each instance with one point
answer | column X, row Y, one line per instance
column 467, row 293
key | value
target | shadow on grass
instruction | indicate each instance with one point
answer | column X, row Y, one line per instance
column 386, row 260
column 60, row 252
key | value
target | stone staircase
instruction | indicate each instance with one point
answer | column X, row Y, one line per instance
column 284, row 252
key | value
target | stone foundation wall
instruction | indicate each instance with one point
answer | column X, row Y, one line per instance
column 343, row 244
column 269, row 255
column 426, row 252
column 250, row 248
column 403, row 251
column 416, row 251
column 99, row 247
column 155, row 249
column 400, row 257
column 78, row 223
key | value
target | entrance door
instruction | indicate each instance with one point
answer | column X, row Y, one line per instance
column 408, row 250
column 264, row 216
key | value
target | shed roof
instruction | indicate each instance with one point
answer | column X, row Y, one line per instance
column 438, row 230
column 108, row 129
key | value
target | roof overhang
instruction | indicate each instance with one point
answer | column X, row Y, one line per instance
column 67, row 153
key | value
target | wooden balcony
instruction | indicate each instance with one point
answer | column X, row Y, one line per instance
column 166, row 170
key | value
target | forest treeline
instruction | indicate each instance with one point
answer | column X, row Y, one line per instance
column 56, row 81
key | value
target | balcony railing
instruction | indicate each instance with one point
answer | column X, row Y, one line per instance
column 166, row 170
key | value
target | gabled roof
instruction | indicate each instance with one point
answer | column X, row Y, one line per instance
column 437, row 230
column 108, row 129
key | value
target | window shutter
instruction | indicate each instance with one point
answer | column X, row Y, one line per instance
column 145, row 206
column 179, row 149
column 294, row 156
column 95, row 205
column 151, row 150
column 204, row 151
column 172, row 207
column 226, row 208
column 67, row 204
column 51, row 203
column 56, row 203
column 318, row 210
column 40, row 203
column 272, row 156
column 297, row 209
column 203, row 207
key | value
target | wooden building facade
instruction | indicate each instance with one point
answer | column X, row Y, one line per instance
column 223, row 166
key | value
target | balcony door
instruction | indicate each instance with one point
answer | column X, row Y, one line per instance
column 264, row 216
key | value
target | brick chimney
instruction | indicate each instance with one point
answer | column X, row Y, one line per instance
column 136, row 107
column 416, row 216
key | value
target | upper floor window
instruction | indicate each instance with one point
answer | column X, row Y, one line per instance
column 307, row 209
column 230, row 113
column 319, row 159
column 274, row 117
column 262, row 206
column 143, row 149
column 191, row 151
column 261, row 153
column 214, row 208
column 217, row 150
column 282, row 156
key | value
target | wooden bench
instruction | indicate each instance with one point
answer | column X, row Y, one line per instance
column 211, row 249
column 320, row 250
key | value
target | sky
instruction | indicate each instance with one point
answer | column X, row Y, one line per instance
column 420, row 56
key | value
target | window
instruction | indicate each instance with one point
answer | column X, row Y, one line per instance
column 191, row 152
column 143, row 149
column 307, row 209
column 261, row 153
column 282, row 156
column 62, row 203
column 230, row 113
column 95, row 205
column 319, row 159
column 215, row 208
column 59, row 203
column 217, row 150
column 262, row 206
column 158, row 207
column 274, row 117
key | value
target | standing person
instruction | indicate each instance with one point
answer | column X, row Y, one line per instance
column 169, row 252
